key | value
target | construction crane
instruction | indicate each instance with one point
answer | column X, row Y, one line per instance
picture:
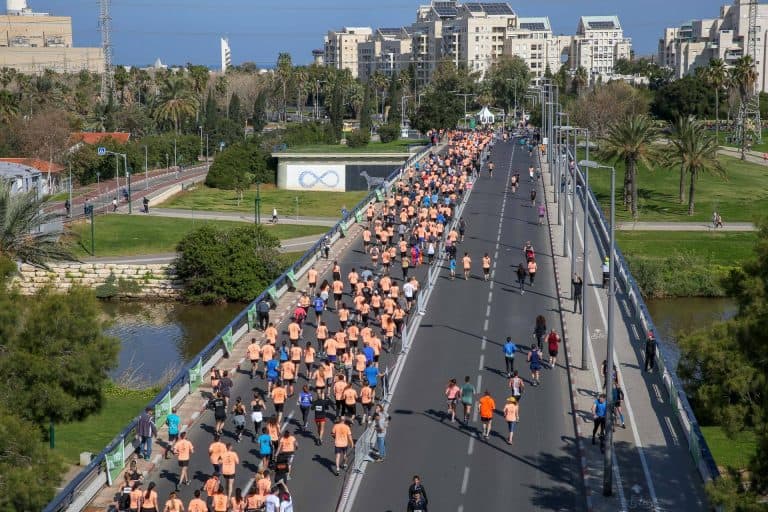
column 748, row 124
column 105, row 23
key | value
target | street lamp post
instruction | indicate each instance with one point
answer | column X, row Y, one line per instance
column 128, row 179
column 146, row 169
column 402, row 110
column 608, row 454
column 70, row 190
column 257, row 204
column 585, row 266
column 201, row 142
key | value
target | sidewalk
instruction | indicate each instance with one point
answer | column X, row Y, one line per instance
column 652, row 469
column 233, row 216
column 752, row 156
column 684, row 226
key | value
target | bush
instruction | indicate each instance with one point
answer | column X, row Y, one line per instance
column 389, row 132
column 238, row 166
column 358, row 139
column 301, row 134
column 678, row 275
column 220, row 265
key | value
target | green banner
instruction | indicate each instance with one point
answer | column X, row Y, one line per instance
column 272, row 292
column 115, row 462
column 359, row 216
column 162, row 410
column 379, row 195
column 292, row 278
column 343, row 229
column 229, row 342
column 196, row 376
column 251, row 317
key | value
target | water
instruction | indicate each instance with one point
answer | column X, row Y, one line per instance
column 673, row 316
column 160, row 337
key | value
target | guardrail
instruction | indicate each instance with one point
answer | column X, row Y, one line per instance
column 81, row 490
column 697, row 445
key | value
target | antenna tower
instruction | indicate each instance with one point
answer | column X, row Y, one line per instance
column 105, row 23
column 748, row 123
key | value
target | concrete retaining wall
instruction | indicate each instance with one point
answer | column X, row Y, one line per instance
column 157, row 281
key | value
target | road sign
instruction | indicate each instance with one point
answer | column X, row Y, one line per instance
column 102, row 151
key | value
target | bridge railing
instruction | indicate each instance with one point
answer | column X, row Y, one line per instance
column 697, row 445
column 111, row 460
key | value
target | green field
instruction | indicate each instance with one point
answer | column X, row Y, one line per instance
column 310, row 203
column 740, row 197
column 124, row 235
column 96, row 431
column 396, row 146
column 761, row 148
column 727, row 248
column 734, row 453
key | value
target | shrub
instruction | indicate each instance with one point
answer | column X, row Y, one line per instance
column 238, row 166
column 358, row 139
column 301, row 134
column 678, row 275
column 220, row 265
column 389, row 132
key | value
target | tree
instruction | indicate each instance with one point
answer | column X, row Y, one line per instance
column 238, row 166
column 440, row 107
column 45, row 135
column 259, row 118
column 59, row 358
column 176, row 103
column 509, row 78
column 219, row 265
column 283, row 72
column 395, row 97
column 336, row 110
column 689, row 96
column 716, row 77
column 21, row 237
column 695, row 151
column 365, row 110
column 235, row 112
column 607, row 104
column 743, row 78
column 211, row 113
column 631, row 141
column 9, row 107
column 580, row 80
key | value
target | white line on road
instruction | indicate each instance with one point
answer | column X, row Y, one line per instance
column 488, row 310
column 485, row 340
column 490, row 297
column 485, row 325
column 482, row 362
column 465, row 480
column 471, row 446
column 672, row 432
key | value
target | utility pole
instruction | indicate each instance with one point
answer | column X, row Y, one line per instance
column 146, row 169
column 105, row 23
column 585, row 266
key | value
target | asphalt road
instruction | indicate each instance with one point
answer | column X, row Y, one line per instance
column 462, row 334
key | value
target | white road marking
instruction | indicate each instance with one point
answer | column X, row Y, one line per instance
column 465, row 480
column 485, row 325
column 488, row 310
column 482, row 362
column 490, row 297
column 471, row 446
column 485, row 340
column 672, row 432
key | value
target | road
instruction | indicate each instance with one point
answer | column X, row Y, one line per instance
column 462, row 334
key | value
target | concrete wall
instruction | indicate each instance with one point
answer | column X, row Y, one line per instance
column 156, row 281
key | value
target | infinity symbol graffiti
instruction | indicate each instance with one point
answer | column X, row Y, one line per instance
column 308, row 179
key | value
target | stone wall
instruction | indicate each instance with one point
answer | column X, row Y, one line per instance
column 157, row 281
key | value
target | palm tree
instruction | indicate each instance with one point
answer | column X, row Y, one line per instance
column 300, row 81
column 380, row 84
column 717, row 76
column 9, row 107
column 283, row 73
column 680, row 132
column 743, row 78
column 21, row 236
column 176, row 102
column 580, row 80
column 695, row 151
column 632, row 141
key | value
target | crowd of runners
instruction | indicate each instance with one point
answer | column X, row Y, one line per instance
column 328, row 359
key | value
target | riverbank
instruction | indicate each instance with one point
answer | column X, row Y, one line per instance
column 682, row 263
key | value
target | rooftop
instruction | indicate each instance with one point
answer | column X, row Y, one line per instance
column 33, row 163
column 96, row 137
column 535, row 24
column 490, row 8
column 600, row 23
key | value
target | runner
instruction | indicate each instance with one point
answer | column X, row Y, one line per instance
column 183, row 451
column 305, row 404
column 278, row 396
column 366, row 399
column 238, row 412
column 531, row 270
column 511, row 416
column 287, row 448
column 487, row 407
column 540, row 330
column 254, row 353
column 467, row 264
column 257, row 413
column 312, row 280
column 467, row 398
column 517, row 385
column 553, row 345
column 486, row 267
column 618, row 398
column 509, row 349
column 265, row 447
column 229, row 462
column 342, row 436
column 534, row 359
column 149, row 500
column 198, row 504
column 174, row 504
column 452, row 392
column 599, row 408
column 219, row 406
column 320, row 408
column 542, row 211
column 172, row 421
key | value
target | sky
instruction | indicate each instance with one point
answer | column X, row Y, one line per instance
column 181, row 31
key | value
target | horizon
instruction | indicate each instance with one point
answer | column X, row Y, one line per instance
column 139, row 40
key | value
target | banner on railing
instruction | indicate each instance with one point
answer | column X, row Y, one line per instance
column 359, row 216
column 115, row 462
column 272, row 292
column 292, row 278
column 162, row 410
column 251, row 317
column 379, row 195
column 228, row 340
column 196, row 374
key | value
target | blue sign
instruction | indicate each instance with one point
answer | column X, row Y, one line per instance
column 102, row 151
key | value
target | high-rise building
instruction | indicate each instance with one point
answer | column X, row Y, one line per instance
column 532, row 40
column 599, row 42
column 389, row 50
column 341, row 47
column 694, row 44
column 32, row 42
column 226, row 55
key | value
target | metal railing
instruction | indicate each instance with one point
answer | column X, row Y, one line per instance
column 697, row 445
column 91, row 479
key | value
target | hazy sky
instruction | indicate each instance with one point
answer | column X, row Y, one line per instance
column 180, row 31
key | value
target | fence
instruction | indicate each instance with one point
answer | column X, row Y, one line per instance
column 111, row 461
column 697, row 446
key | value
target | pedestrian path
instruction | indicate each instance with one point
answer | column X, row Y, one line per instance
column 652, row 468
column 684, row 226
column 235, row 216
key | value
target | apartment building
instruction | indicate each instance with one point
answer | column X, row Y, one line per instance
column 388, row 51
column 599, row 42
column 532, row 40
column 341, row 47
column 694, row 44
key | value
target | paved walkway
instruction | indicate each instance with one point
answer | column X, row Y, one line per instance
column 683, row 226
column 754, row 157
column 299, row 244
column 235, row 216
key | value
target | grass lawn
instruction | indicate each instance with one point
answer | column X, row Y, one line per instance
column 311, row 203
column 96, row 431
column 721, row 248
column 761, row 148
column 396, row 146
column 728, row 452
column 739, row 197
column 124, row 235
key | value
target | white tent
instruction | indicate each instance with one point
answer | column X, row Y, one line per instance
column 485, row 116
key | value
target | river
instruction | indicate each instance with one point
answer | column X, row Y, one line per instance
column 673, row 316
column 159, row 337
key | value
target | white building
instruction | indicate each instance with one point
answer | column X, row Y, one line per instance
column 341, row 47
column 694, row 44
column 532, row 41
column 599, row 42
column 389, row 50
column 226, row 55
